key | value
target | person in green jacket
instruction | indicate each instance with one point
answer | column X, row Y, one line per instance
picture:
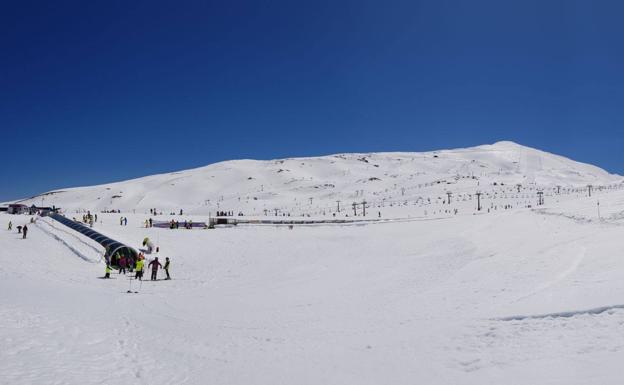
column 108, row 271
column 139, row 269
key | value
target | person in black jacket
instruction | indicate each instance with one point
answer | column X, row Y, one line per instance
column 166, row 267
column 155, row 265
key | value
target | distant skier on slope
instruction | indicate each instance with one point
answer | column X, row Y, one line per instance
column 155, row 264
column 24, row 231
column 10, row 225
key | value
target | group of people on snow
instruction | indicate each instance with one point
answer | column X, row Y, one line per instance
column 21, row 229
column 128, row 263
column 154, row 212
column 176, row 224
column 89, row 218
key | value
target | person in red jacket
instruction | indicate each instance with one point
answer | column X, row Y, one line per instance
column 122, row 264
column 155, row 265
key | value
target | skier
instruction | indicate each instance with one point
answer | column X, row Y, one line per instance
column 107, row 271
column 139, row 268
column 155, row 264
column 166, row 267
column 115, row 259
column 24, row 231
column 122, row 264
column 10, row 225
column 125, row 221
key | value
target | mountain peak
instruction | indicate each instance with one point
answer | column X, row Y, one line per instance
column 507, row 144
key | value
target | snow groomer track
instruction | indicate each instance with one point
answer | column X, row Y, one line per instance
column 112, row 246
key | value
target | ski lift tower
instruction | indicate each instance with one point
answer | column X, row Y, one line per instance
column 540, row 198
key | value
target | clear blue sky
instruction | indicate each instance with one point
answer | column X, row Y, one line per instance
column 100, row 91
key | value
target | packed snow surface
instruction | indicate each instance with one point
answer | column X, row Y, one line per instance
column 514, row 293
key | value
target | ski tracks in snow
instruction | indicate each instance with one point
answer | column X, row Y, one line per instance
column 578, row 253
column 565, row 336
column 73, row 242
column 84, row 355
column 131, row 342
column 104, row 353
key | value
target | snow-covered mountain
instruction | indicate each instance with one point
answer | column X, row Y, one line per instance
column 510, row 295
column 314, row 185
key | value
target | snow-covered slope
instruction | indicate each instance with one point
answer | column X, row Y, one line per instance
column 517, row 294
column 312, row 186
column 523, row 297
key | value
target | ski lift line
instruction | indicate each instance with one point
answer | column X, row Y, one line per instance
column 378, row 192
column 493, row 194
column 112, row 246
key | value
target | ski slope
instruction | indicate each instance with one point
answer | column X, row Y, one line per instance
column 434, row 292
column 518, row 297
